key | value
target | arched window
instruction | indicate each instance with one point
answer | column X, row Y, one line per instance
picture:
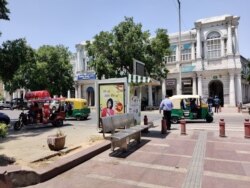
column 213, row 45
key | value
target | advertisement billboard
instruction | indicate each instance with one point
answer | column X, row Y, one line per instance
column 111, row 99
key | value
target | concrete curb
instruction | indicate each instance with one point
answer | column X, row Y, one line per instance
column 21, row 177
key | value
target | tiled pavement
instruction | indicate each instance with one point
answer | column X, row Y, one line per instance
column 199, row 159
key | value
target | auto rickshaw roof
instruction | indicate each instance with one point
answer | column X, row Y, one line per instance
column 75, row 100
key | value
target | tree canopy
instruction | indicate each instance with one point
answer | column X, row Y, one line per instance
column 4, row 11
column 47, row 68
column 112, row 52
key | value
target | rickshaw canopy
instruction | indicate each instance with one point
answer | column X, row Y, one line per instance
column 176, row 99
column 42, row 94
column 78, row 103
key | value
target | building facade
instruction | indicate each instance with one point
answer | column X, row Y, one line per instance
column 211, row 64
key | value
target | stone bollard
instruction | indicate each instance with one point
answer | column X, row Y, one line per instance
column 145, row 120
column 163, row 126
column 247, row 128
column 222, row 128
column 183, row 126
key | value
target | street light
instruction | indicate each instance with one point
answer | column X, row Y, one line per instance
column 179, row 91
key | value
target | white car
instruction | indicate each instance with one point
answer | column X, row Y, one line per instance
column 54, row 105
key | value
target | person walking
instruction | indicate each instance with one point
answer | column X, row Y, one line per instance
column 216, row 104
column 167, row 106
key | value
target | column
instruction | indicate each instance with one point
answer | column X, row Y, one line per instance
column 178, row 85
column 231, row 90
column 222, row 47
column 79, row 91
column 239, row 88
column 76, row 91
column 200, row 85
column 194, row 86
column 150, row 97
column 192, row 52
column 198, row 44
column 236, row 40
column 229, row 39
column 163, row 88
column 68, row 94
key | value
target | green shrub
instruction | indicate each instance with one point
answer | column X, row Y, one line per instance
column 3, row 130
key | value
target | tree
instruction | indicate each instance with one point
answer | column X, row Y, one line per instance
column 14, row 54
column 4, row 10
column 52, row 71
column 112, row 52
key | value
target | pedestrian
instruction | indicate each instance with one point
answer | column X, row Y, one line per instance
column 210, row 102
column 167, row 106
column 216, row 104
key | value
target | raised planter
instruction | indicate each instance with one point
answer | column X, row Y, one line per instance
column 56, row 142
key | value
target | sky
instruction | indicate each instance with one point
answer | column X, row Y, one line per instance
column 70, row 22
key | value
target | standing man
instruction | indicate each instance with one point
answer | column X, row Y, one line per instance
column 167, row 106
column 216, row 104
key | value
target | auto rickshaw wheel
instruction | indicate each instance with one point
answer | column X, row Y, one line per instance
column 209, row 119
column 78, row 118
column 59, row 123
column 18, row 125
column 174, row 120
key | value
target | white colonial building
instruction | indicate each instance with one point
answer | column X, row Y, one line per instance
column 211, row 63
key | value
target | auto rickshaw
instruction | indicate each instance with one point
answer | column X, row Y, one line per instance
column 76, row 108
column 39, row 111
column 190, row 107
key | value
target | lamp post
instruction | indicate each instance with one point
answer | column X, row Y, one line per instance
column 179, row 91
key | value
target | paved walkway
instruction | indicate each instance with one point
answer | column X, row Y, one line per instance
column 199, row 159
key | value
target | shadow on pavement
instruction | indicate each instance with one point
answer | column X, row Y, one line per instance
column 132, row 147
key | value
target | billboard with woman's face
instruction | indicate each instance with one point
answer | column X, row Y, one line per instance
column 111, row 99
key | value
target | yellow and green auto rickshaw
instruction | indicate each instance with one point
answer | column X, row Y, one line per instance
column 76, row 108
column 190, row 107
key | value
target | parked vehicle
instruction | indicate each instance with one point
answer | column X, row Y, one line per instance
column 39, row 111
column 5, row 104
column 190, row 107
column 19, row 103
column 76, row 108
column 4, row 118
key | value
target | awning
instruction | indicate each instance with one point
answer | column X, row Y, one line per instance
column 142, row 80
column 187, row 68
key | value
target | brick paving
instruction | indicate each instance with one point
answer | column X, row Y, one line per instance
column 200, row 159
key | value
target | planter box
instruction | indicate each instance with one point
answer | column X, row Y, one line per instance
column 56, row 143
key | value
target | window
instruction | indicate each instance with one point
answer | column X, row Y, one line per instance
column 186, row 52
column 172, row 57
column 213, row 45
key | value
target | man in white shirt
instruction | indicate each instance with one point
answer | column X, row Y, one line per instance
column 167, row 106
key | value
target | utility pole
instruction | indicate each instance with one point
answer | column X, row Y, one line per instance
column 179, row 89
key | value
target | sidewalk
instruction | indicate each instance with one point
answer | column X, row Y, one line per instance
column 199, row 159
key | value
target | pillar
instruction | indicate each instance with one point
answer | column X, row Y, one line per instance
column 150, row 97
column 239, row 88
column 198, row 43
column 68, row 94
column 236, row 40
column 222, row 44
column 231, row 89
column 229, row 38
column 192, row 52
column 194, row 86
column 163, row 88
column 200, row 85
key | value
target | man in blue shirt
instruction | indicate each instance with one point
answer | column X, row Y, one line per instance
column 167, row 106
